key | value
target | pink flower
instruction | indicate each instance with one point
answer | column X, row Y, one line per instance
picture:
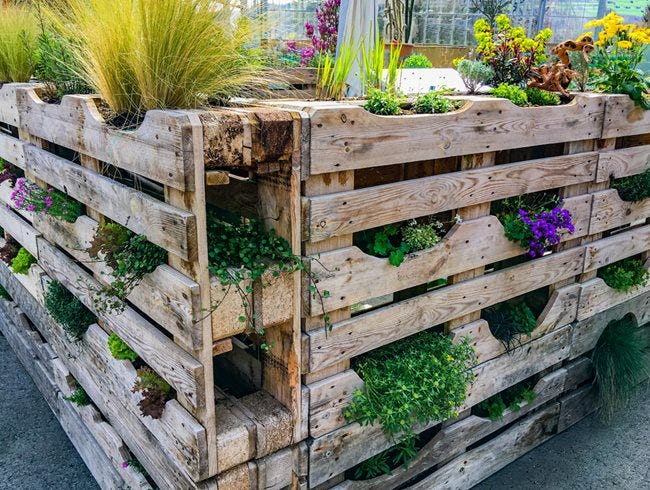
column 31, row 208
column 125, row 465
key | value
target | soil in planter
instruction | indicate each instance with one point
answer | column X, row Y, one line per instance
column 125, row 122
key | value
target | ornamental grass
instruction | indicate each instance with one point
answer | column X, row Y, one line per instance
column 18, row 33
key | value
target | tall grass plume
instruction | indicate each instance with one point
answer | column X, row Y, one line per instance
column 18, row 33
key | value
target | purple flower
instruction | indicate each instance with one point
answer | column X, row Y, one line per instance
column 125, row 465
column 546, row 229
column 31, row 208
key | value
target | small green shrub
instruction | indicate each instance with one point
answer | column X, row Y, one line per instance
column 474, row 74
column 509, row 320
column 621, row 361
column 435, row 103
column 634, row 188
column 541, row 97
column 511, row 398
column 67, row 310
column 513, row 93
column 625, row 274
column 415, row 380
column 420, row 236
column 382, row 103
column 79, row 397
column 494, row 407
column 155, row 392
column 417, row 60
column 119, row 349
column 4, row 294
column 22, row 262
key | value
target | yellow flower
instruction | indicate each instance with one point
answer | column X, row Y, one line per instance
column 641, row 36
column 625, row 44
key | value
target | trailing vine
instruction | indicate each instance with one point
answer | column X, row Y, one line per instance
column 130, row 257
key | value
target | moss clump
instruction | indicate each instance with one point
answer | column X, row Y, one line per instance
column 68, row 311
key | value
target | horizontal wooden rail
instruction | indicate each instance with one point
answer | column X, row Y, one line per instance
column 621, row 163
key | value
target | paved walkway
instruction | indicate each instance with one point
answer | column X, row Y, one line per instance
column 35, row 454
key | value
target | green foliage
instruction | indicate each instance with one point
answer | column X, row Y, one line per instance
column 511, row 398
column 56, row 68
column 157, row 54
column 136, row 465
column 4, row 294
column 383, row 246
column 372, row 467
column 634, row 188
column 415, row 380
column 374, row 65
column 18, row 31
column 625, row 274
column 513, row 93
column 31, row 197
column 621, row 361
column 435, row 103
column 333, row 72
column 119, row 349
column 509, row 320
column 382, row 103
column 245, row 251
column 541, row 97
column 22, row 262
column 155, row 392
column 67, row 310
column 494, row 407
column 474, row 74
column 417, row 60
column 385, row 461
column 130, row 256
column 79, row 397
column 419, row 236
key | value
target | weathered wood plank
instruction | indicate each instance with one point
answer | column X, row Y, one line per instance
column 616, row 247
column 156, row 149
column 348, row 212
column 11, row 150
column 179, row 368
column 351, row 276
column 610, row 211
column 341, row 449
column 20, row 230
column 623, row 118
column 365, row 332
column 165, row 225
column 347, row 137
column 621, row 163
column 576, row 406
column 327, row 400
column 596, row 297
column 166, row 296
column 9, row 112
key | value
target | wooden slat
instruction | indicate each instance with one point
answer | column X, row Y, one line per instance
column 11, row 150
column 155, row 150
column 610, row 211
column 165, row 225
column 617, row 164
column 352, row 276
column 342, row 449
column 9, row 113
column 348, row 137
column 179, row 368
column 24, row 233
column 623, row 118
column 348, row 212
column 166, row 296
column 328, row 398
column 617, row 247
column 597, row 297
column 372, row 330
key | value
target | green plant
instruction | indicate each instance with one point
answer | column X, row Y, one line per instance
column 30, row 197
column 136, row 465
column 474, row 74
column 4, row 294
column 621, row 361
column 634, row 188
column 382, row 103
column 415, row 380
column 119, row 349
column 494, row 407
column 435, row 103
column 509, row 320
column 541, row 97
column 417, row 60
column 332, row 73
column 513, row 93
column 79, row 397
column 491, row 9
column 383, row 246
column 18, row 31
column 245, row 251
column 130, row 257
column 22, row 262
column 579, row 65
column 619, row 50
column 374, row 63
column 156, row 54
column 67, row 310
column 372, row 467
column 155, row 392
column 508, row 51
column 511, row 398
column 420, row 236
column 399, row 19
column 625, row 274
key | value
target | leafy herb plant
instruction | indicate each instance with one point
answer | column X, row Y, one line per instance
column 621, row 361
column 417, row 60
column 22, row 262
column 474, row 74
column 634, row 188
column 119, row 349
column 30, row 197
column 130, row 256
column 415, row 380
column 513, row 93
column 67, row 310
column 395, row 242
column 382, row 103
column 509, row 320
column 625, row 274
column 79, row 397
column 540, row 97
column 511, row 399
column 154, row 390
column 385, row 461
column 435, row 103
